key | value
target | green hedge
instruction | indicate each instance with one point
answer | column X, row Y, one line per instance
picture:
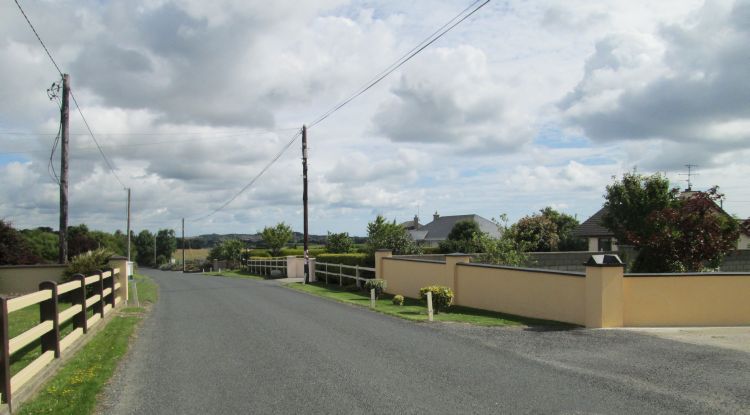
column 300, row 251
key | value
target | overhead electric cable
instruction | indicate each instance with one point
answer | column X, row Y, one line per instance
column 407, row 57
column 445, row 28
column 39, row 38
column 247, row 186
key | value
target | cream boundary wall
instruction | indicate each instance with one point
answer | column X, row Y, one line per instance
column 602, row 297
column 407, row 276
column 539, row 294
column 687, row 300
column 23, row 279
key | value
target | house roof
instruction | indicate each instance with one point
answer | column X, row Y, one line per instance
column 593, row 226
column 745, row 227
column 438, row 229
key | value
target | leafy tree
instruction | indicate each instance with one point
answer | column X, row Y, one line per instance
column 80, row 240
column 629, row 203
column 691, row 235
column 43, row 242
column 536, row 233
column 501, row 251
column 339, row 243
column 14, row 250
column 166, row 243
column 566, row 224
column 461, row 238
column 276, row 237
column 144, row 247
column 88, row 263
column 229, row 250
column 389, row 235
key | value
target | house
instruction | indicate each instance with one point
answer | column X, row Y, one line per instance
column 433, row 233
column 602, row 239
column 598, row 237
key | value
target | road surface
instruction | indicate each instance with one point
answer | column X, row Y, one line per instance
column 216, row 345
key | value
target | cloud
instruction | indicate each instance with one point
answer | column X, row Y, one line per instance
column 451, row 97
column 687, row 86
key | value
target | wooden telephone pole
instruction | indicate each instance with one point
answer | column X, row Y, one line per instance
column 304, row 200
column 128, row 224
column 65, row 140
column 183, row 245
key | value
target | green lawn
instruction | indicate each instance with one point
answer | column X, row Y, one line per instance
column 74, row 388
column 235, row 274
column 417, row 311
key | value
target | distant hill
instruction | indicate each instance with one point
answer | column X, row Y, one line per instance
column 251, row 240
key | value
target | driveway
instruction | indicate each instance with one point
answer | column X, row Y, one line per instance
column 230, row 346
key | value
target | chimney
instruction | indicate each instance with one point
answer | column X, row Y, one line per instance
column 435, row 216
column 416, row 222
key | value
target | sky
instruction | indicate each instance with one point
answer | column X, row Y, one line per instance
column 524, row 105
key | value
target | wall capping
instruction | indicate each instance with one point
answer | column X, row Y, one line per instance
column 536, row 270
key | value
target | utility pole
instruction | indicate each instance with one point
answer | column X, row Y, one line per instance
column 65, row 140
column 183, row 245
column 304, row 200
column 128, row 224
column 155, row 264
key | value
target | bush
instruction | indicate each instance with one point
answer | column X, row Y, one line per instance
column 299, row 251
column 87, row 263
column 377, row 284
column 398, row 300
column 442, row 297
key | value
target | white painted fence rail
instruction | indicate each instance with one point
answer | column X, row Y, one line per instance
column 337, row 270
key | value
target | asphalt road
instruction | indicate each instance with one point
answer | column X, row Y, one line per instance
column 225, row 346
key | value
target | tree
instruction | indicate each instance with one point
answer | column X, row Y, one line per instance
column 566, row 224
column 229, row 250
column 389, row 235
column 339, row 243
column 14, row 250
column 166, row 243
column 692, row 235
column 536, row 233
column 276, row 237
column 144, row 247
column 80, row 241
column 500, row 251
column 630, row 202
column 461, row 238
column 43, row 242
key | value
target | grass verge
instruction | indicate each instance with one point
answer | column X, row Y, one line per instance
column 417, row 311
column 235, row 274
column 73, row 390
column 147, row 289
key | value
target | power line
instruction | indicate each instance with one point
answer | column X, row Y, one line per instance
column 39, row 38
column 405, row 58
column 153, row 133
column 85, row 122
column 104, row 156
column 252, row 182
column 217, row 137
column 445, row 28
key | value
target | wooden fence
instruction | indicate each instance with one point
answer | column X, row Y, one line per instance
column 108, row 293
column 266, row 266
column 338, row 271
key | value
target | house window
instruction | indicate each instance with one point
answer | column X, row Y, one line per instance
column 605, row 244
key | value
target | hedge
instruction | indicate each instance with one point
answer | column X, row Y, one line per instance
column 347, row 259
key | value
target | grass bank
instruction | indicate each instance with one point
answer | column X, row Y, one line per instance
column 417, row 311
column 75, row 387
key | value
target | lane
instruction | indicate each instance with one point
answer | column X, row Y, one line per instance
column 217, row 345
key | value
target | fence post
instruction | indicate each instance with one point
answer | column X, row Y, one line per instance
column 99, row 290
column 341, row 276
column 372, row 298
column 79, row 297
column 4, row 353
column 356, row 275
column 326, row 273
column 429, row 306
column 48, row 310
column 111, row 284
